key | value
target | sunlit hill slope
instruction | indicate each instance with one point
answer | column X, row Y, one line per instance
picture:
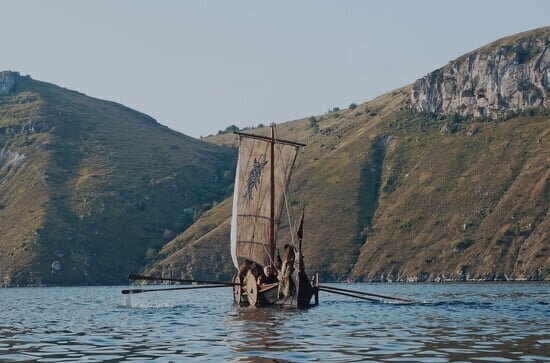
column 445, row 179
column 90, row 189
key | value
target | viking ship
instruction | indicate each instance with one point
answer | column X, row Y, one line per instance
column 260, row 196
column 264, row 168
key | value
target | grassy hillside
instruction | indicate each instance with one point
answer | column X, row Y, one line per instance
column 391, row 194
column 96, row 188
column 470, row 203
column 394, row 194
column 91, row 190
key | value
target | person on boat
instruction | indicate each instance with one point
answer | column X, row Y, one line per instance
column 286, row 285
column 244, row 269
column 253, row 267
column 268, row 277
column 256, row 269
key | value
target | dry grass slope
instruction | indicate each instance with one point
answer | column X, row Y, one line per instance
column 101, row 187
column 389, row 196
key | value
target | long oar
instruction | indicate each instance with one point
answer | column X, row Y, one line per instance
column 346, row 294
column 153, row 278
column 139, row 291
column 369, row 294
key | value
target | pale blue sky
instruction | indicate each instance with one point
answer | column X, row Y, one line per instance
column 199, row 66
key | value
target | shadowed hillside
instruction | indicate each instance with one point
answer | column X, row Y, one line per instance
column 90, row 189
column 393, row 192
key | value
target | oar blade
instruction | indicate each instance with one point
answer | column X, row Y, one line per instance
column 139, row 291
column 370, row 294
column 186, row 281
column 363, row 295
column 132, row 291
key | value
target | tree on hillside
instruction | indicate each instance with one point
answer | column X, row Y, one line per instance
column 228, row 129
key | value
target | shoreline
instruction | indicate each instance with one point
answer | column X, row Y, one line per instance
column 374, row 282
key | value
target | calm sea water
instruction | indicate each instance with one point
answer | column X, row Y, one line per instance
column 450, row 322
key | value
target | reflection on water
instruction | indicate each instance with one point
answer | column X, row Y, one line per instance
column 450, row 322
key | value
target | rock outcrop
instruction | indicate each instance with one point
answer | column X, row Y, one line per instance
column 510, row 74
column 7, row 81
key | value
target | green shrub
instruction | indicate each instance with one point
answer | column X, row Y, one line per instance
column 150, row 254
column 504, row 241
column 312, row 123
column 352, row 106
column 511, row 114
column 461, row 245
column 531, row 111
column 456, row 118
column 228, row 129
column 231, row 128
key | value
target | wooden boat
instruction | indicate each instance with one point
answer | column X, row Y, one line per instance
column 264, row 168
column 260, row 195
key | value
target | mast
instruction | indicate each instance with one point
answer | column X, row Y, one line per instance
column 272, row 199
column 258, row 197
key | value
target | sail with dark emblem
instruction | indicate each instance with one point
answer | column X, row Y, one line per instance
column 263, row 171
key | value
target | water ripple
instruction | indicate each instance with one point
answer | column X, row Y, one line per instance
column 454, row 322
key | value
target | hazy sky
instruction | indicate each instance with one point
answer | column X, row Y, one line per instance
column 199, row 66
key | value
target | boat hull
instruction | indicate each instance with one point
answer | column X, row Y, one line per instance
column 298, row 293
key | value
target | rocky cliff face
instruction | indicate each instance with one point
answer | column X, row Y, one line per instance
column 7, row 80
column 510, row 74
